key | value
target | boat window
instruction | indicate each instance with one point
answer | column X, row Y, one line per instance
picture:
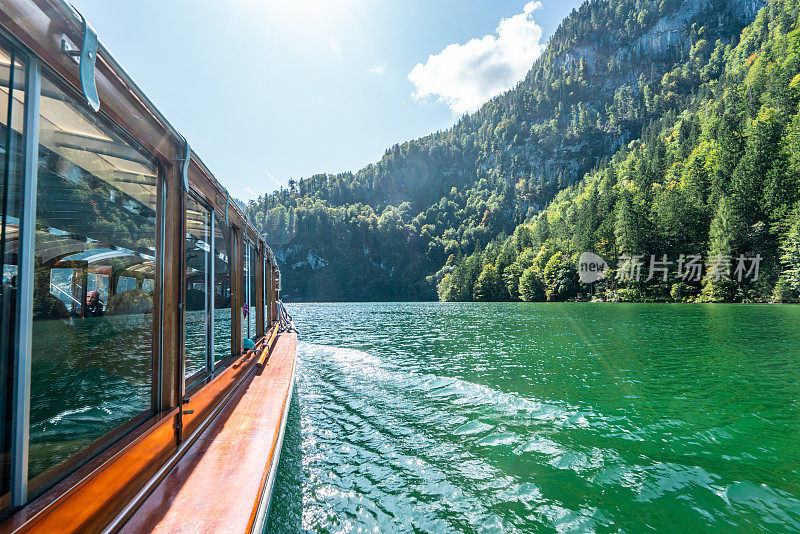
column 223, row 243
column 126, row 283
column 252, row 301
column 245, row 308
column 198, row 280
column 269, row 294
column 265, row 290
column 93, row 296
column 12, row 99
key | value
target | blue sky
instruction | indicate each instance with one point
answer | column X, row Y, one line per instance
column 271, row 89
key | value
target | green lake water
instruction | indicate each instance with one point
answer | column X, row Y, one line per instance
column 542, row 418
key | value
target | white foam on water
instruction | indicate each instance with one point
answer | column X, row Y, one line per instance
column 387, row 439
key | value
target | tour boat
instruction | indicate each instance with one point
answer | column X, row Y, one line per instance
column 147, row 363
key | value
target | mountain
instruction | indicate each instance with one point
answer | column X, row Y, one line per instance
column 719, row 181
column 394, row 230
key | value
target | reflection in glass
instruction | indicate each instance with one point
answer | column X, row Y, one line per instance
column 223, row 345
column 264, row 287
column 94, row 280
column 198, row 280
column 244, row 310
column 251, row 294
column 12, row 101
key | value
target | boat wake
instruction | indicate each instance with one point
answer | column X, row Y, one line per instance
column 396, row 450
column 378, row 447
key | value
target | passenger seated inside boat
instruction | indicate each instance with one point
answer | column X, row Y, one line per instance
column 94, row 306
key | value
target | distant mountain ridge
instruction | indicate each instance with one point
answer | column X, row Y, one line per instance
column 611, row 68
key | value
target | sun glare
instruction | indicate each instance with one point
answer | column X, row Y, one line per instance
column 305, row 16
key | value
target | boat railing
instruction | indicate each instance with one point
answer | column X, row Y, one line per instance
column 285, row 320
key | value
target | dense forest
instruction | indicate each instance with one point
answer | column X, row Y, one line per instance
column 719, row 181
column 646, row 130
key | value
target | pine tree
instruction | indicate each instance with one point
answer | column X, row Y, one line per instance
column 489, row 287
column 727, row 230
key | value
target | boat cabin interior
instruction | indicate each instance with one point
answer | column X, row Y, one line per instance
column 139, row 310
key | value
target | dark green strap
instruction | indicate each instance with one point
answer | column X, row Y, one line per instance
column 185, row 170
column 88, row 57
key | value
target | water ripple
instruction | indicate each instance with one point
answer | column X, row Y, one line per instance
column 564, row 419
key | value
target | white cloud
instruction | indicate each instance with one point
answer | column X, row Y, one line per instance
column 377, row 69
column 467, row 75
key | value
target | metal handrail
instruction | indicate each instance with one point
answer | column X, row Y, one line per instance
column 285, row 320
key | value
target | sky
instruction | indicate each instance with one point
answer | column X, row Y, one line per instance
column 267, row 90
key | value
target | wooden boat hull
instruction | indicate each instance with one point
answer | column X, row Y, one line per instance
column 224, row 482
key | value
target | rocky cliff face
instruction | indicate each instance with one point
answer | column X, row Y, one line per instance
column 618, row 67
column 611, row 68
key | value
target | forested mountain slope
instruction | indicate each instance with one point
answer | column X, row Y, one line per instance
column 720, row 180
column 611, row 69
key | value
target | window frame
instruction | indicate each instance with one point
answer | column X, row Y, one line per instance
column 198, row 379
column 219, row 365
column 249, row 287
column 9, row 350
column 264, row 289
column 23, row 489
column 196, row 382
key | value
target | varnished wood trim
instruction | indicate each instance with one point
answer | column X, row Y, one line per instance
column 231, row 449
column 230, row 394
column 272, row 335
column 260, row 513
column 204, row 400
column 172, row 288
column 205, row 186
column 94, row 496
column 87, row 501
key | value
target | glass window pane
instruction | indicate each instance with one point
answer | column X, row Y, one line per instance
column 222, row 288
column 198, row 271
column 244, row 311
column 94, row 280
column 251, row 293
column 264, row 286
column 12, row 99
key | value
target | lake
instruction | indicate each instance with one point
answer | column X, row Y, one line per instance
column 432, row 417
